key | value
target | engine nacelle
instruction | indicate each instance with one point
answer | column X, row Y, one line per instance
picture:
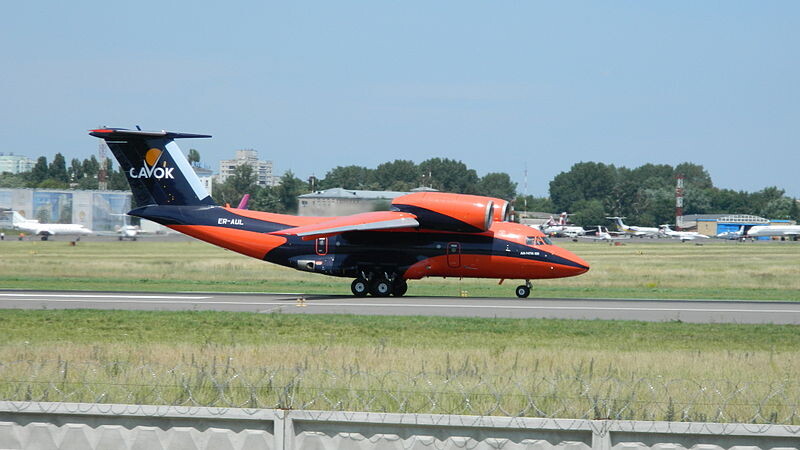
column 503, row 210
column 448, row 212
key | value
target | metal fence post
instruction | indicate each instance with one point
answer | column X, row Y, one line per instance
column 601, row 434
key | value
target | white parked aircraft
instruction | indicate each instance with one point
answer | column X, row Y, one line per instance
column 684, row 236
column 45, row 230
column 602, row 234
column 732, row 235
column 559, row 227
column 634, row 230
column 774, row 230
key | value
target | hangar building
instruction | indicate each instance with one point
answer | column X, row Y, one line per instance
column 96, row 210
column 714, row 226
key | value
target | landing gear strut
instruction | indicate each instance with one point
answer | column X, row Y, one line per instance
column 524, row 290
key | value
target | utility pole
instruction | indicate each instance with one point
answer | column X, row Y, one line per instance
column 679, row 202
column 102, row 175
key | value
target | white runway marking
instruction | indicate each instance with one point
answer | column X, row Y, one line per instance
column 156, row 299
column 94, row 296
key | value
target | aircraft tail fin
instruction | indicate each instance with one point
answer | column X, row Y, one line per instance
column 17, row 218
column 156, row 169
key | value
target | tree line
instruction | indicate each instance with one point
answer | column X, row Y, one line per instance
column 590, row 191
column 58, row 175
column 646, row 194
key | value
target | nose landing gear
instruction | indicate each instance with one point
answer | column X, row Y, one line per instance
column 524, row 290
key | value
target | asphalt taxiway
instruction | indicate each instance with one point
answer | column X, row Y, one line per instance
column 696, row 311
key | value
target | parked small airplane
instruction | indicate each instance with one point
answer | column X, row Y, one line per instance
column 601, row 234
column 634, row 230
column 560, row 227
column 426, row 233
column 732, row 235
column 45, row 230
column 790, row 231
column 684, row 236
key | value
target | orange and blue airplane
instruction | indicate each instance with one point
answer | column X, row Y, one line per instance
column 426, row 234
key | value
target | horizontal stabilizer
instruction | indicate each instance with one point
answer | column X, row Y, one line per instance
column 372, row 221
column 116, row 133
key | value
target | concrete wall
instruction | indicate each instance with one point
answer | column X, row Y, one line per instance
column 29, row 425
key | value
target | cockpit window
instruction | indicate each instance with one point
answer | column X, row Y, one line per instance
column 536, row 240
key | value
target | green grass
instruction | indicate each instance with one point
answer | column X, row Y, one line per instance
column 718, row 270
column 533, row 367
column 555, row 368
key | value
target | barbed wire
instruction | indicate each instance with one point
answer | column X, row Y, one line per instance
column 578, row 395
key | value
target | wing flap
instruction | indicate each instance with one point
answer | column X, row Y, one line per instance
column 372, row 221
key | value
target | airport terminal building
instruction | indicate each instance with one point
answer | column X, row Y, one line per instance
column 96, row 210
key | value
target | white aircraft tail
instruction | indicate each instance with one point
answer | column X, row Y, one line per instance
column 18, row 219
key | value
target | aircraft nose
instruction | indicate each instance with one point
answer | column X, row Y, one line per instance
column 575, row 265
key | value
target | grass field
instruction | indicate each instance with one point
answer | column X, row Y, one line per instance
column 556, row 368
column 418, row 364
column 719, row 270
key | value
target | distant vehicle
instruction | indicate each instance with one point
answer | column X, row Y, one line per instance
column 128, row 232
column 791, row 231
column 560, row 227
column 684, row 236
column 45, row 230
column 426, row 234
column 634, row 230
column 732, row 235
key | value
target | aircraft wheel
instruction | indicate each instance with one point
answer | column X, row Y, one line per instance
column 44, row 238
column 400, row 287
column 119, row 237
column 523, row 291
column 360, row 287
column 381, row 287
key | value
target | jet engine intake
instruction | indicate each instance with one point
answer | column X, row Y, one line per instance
column 448, row 212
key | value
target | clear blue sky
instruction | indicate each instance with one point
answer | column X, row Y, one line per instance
column 498, row 85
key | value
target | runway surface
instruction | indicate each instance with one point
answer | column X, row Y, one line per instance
column 697, row 311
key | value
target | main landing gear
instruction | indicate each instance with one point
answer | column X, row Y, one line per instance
column 524, row 290
column 379, row 286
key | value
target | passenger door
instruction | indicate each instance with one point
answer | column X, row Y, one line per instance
column 454, row 255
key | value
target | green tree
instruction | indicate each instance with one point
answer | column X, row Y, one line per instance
column 58, row 169
column 497, row 184
column 194, row 157
column 52, row 183
column 75, row 170
column 266, row 199
column 39, row 172
column 288, row 191
column 584, row 181
column 794, row 210
column 13, row 180
column 589, row 213
column 90, row 167
column 242, row 181
column 449, row 175
column 398, row 175
column 778, row 208
column 116, row 179
column 531, row 203
column 347, row 177
column 695, row 176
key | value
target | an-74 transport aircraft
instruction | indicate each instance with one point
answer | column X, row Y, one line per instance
column 426, row 234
